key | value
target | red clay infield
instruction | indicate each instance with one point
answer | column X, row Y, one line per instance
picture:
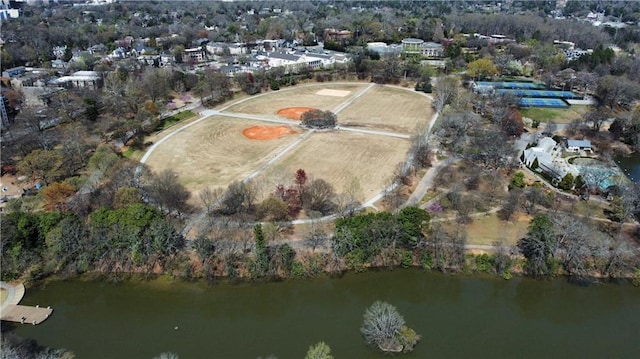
column 293, row 113
column 267, row 132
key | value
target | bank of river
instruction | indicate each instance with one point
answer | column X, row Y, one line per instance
column 457, row 316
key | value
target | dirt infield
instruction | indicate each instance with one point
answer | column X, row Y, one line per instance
column 294, row 113
column 267, row 132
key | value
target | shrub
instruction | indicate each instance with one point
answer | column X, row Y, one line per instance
column 567, row 182
column 426, row 261
column 517, row 181
column 319, row 119
column 407, row 259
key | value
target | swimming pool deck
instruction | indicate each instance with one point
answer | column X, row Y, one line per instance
column 11, row 311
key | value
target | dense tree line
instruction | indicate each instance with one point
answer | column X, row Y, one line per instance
column 576, row 247
column 133, row 238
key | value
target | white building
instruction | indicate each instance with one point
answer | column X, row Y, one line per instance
column 550, row 160
column 79, row 79
column 579, row 145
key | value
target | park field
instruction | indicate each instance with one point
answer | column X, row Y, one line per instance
column 387, row 109
column 489, row 229
column 557, row 115
column 342, row 159
column 305, row 96
column 214, row 152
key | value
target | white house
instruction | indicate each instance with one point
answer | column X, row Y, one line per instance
column 550, row 160
column 79, row 79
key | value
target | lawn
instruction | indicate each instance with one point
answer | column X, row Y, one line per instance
column 215, row 152
column 305, row 96
column 488, row 229
column 342, row 159
column 172, row 120
column 558, row 115
column 387, row 109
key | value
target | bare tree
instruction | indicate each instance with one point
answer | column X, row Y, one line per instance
column 239, row 198
column 444, row 92
column 510, row 206
column 210, row 198
column 316, row 236
column 164, row 190
column 319, row 196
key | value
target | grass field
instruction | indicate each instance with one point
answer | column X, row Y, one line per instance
column 3, row 295
column 271, row 102
column 388, row 109
column 341, row 158
column 172, row 120
column 558, row 115
column 486, row 230
column 215, row 153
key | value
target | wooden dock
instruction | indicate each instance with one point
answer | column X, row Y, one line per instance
column 25, row 314
column 12, row 312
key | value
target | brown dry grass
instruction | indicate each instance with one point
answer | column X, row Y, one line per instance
column 4, row 294
column 389, row 109
column 486, row 230
column 299, row 96
column 340, row 158
column 215, row 153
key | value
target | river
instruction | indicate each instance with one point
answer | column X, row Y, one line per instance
column 630, row 165
column 457, row 316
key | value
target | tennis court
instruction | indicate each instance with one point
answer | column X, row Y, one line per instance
column 538, row 93
column 543, row 102
column 511, row 85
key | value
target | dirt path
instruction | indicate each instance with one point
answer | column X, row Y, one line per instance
column 427, row 181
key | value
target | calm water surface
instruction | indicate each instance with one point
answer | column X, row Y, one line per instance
column 630, row 165
column 457, row 316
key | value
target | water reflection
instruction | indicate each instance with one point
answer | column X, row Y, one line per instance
column 458, row 316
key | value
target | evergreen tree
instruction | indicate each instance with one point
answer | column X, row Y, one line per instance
column 262, row 256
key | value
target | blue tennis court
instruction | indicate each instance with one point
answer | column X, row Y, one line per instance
column 510, row 85
column 543, row 102
column 538, row 93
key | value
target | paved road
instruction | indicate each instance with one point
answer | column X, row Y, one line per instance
column 427, row 181
column 14, row 295
column 372, row 132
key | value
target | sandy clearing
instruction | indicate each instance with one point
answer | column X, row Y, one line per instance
column 339, row 158
column 299, row 97
column 215, row 153
column 334, row 93
column 388, row 109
